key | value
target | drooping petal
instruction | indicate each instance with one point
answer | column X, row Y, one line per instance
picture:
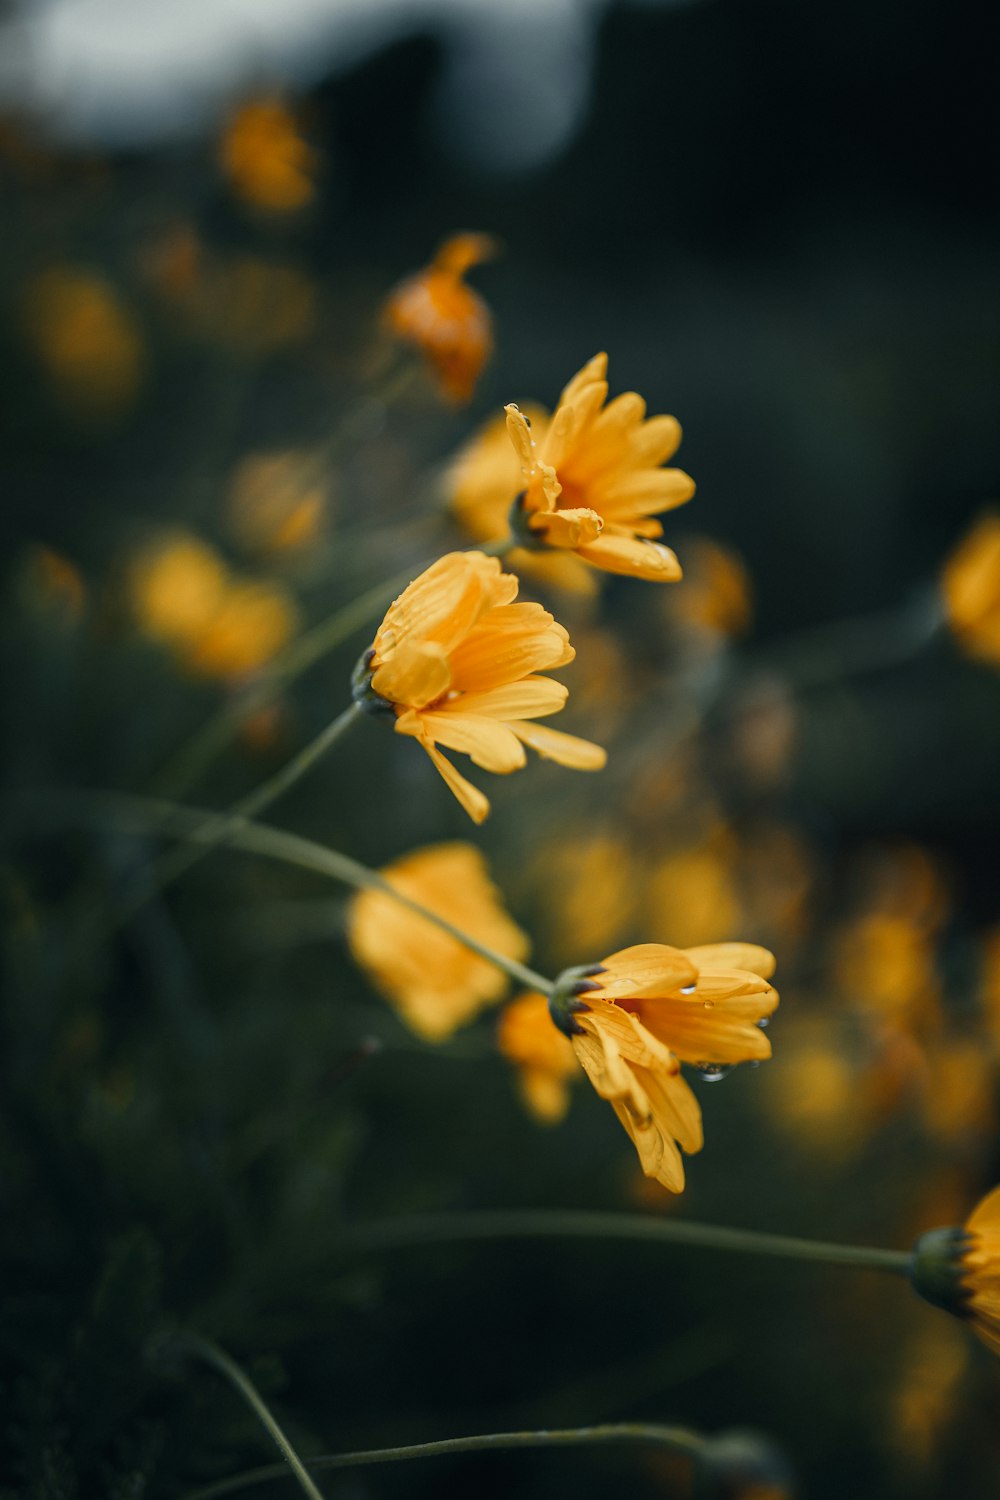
column 471, row 798
column 565, row 749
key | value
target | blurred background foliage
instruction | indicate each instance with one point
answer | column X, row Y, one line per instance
column 781, row 223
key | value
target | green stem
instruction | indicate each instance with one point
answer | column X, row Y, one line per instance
column 149, row 815
column 560, row 1224
column 677, row 1439
column 193, row 1343
column 219, row 828
column 303, row 653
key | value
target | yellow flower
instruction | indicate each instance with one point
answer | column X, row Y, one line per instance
column 175, row 586
column 183, row 596
column 86, row 338
column 266, row 159
column 717, row 596
column 958, row 1268
column 651, row 1007
column 594, row 482
column 544, row 1057
column 252, row 624
column 433, row 980
column 455, row 661
column 971, row 589
column 444, row 318
column 483, row 482
column 276, row 501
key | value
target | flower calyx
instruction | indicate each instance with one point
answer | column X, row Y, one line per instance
column 564, row 997
column 362, row 692
column 937, row 1268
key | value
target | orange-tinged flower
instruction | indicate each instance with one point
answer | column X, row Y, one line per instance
column 483, row 482
column 456, row 661
column 441, row 315
column 266, row 159
column 435, row 982
column 593, row 484
column 958, row 1268
column 651, row 1007
column 971, row 589
column 544, row 1057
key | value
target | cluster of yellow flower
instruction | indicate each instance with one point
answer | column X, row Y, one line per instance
column 457, row 664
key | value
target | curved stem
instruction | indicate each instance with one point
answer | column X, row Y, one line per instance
column 558, row 1224
column 297, row 658
column 219, row 828
column 677, row 1439
column 202, row 1348
column 150, row 815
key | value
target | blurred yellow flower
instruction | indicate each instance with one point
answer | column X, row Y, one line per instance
column 276, row 501
column 649, row 1008
column 435, row 982
column 885, row 965
column 593, row 484
column 442, row 316
column 482, row 484
column 695, row 892
column 543, row 1056
column 455, row 661
column 971, row 590
column 958, row 1268
column 927, row 1397
column 183, row 596
column 86, row 339
column 265, row 158
column 716, row 596
column 960, row 1099
column 176, row 585
column 587, row 882
column 253, row 622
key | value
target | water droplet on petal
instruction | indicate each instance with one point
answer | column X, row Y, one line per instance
column 763, row 1023
column 688, row 989
column 714, row 1072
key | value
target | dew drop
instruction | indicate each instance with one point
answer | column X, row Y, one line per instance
column 763, row 1023
column 688, row 989
column 714, row 1072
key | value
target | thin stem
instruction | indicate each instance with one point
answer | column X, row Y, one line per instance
column 559, row 1224
column 201, row 1348
column 303, row 653
column 219, row 828
column 193, row 824
column 677, row 1439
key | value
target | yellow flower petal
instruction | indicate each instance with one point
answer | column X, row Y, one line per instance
column 565, row 749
